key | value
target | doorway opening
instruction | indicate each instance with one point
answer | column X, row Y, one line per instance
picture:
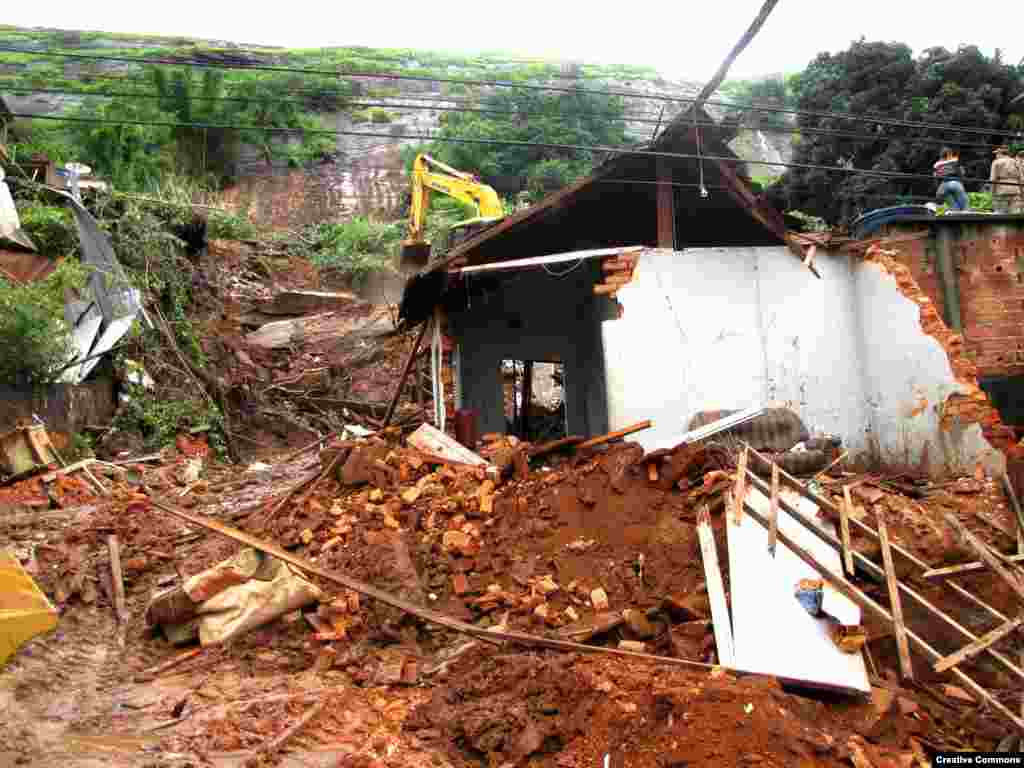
column 534, row 395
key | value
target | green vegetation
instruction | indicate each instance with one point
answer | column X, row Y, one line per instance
column 355, row 248
column 533, row 116
column 770, row 91
column 33, row 333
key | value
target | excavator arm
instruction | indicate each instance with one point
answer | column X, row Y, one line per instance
column 453, row 183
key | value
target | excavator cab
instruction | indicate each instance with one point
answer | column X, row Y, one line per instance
column 416, row 249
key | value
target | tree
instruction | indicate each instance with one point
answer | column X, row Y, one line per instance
column 963, row 88
column 574, row 118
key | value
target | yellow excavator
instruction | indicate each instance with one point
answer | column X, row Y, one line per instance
column 429, row 175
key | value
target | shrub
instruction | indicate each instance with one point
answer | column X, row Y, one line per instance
column 52, row 228
column 33, row 334
column 228, row 226
column 356, row 247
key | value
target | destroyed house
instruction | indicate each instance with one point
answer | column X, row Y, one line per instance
column 666, row 288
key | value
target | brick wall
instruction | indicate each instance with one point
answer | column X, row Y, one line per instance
column 990, row 262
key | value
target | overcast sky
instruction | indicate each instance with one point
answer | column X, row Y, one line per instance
column 680, row 39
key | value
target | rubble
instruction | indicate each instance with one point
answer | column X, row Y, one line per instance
column 576, row 573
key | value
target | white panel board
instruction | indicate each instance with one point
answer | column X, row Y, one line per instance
column 82, row 337
column 772, row 632
column 110, row 337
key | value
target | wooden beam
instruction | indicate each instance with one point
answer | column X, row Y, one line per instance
column 117, row 579
column 740, row 490
column 404, row 375
column 600, row 289
column 845, row 508
column 638, row 427
column 987, row 555
column 869, row 605
column 773, row 510
column 877, row 572
column 716, row 590
column 972, row 567
column 979, row 645
column 666, row 205
column 906, row 668
column 826, row 505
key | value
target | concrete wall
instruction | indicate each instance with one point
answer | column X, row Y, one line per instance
column 907, row 380
column 534, row 316
column 714, row 328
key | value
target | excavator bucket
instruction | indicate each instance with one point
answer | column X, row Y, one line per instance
column 24, row 610
column 414, row 256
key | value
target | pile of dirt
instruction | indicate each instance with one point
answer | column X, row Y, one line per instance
column 495, row 708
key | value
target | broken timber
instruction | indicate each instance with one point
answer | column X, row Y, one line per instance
column 845, row 510
column 979, row 645
column 773, row 511
column 906, row 668
column 972, row 567
column 639, row 426
column 986, row 554
column 716, row 590
column 387, row 598
column 825, row 505
column 867, row 604
column 877, row 572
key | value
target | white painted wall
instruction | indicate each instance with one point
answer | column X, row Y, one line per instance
column 730, row 328
column 710, row 328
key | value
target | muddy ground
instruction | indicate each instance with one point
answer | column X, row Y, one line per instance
column 399, row 692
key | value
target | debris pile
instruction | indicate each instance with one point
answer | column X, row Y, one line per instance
column 386, row 597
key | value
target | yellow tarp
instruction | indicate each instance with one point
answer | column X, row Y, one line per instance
column 24, row 610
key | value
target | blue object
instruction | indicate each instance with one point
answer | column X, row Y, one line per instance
column 810, row 599
column 872, row 220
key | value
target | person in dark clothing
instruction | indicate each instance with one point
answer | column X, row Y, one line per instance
column 951, row 191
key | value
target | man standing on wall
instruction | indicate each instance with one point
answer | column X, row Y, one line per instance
column 951, row 191
column 1005, row 179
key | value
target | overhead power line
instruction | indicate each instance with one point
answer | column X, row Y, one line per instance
column 508, row 84
column 788, row 129
column 595, row 148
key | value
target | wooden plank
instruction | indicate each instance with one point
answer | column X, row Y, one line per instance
column 404, row 375
column 844, row 530
column 986, row 554
column 827, row 506
column 716, row 590
column 869, row 566
column 866, row 603
column 979, row 645
column 972, row 567
column 666, row 205
column 638, row 427
column 772, row 632
column 740, row 491
column 117, row 579
column 600, row 289
column 773, row 510
column 906, row 668
column 49, row 477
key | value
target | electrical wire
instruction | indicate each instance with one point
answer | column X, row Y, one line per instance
column 511, row 113
column 564, row 272
column 594, row 148
column 339, row 73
